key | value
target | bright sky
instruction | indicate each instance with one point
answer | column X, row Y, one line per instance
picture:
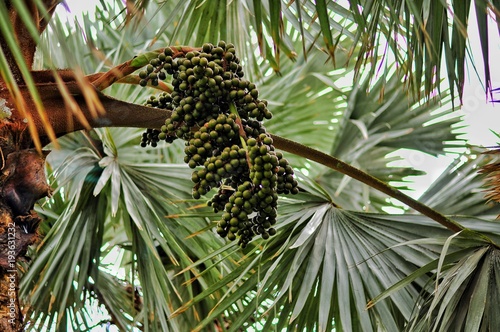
column 479, row 115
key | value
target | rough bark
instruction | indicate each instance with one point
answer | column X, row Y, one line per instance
column 22, row 183
column 22, row 175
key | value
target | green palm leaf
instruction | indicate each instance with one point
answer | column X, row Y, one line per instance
column 421, row 28
column 64, row 248
column 461, row 189
column 465, row 291
column 323, row 267
column 368, row 131
column 327, row 260
column 125, row 200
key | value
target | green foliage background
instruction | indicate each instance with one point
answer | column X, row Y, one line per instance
column 122, row 227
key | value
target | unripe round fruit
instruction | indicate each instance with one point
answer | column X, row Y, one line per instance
column 247, row 170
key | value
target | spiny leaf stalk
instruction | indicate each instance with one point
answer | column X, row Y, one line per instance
column 219, row 115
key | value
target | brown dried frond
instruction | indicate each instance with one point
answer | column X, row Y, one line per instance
column 492, row 172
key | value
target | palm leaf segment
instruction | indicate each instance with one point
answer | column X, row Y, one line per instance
column 368, row 131
column 106, row 203
column 418, row 37
column 326, row 263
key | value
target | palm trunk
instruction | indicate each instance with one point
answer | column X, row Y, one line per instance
column 22, row 183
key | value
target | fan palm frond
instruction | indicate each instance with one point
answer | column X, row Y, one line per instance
column 462, row 188
column 462, row 289
column 324, row 265
column 125, row 199
column 417, row 37
column 368, row 131
column 327, row 259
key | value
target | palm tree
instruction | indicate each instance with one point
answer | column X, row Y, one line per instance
column 117, row 235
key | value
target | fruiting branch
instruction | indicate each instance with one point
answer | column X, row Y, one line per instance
column 123, row 114
column 120, row 71
column 334, row 163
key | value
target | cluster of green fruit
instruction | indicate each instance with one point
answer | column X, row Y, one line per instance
column 219, row 115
